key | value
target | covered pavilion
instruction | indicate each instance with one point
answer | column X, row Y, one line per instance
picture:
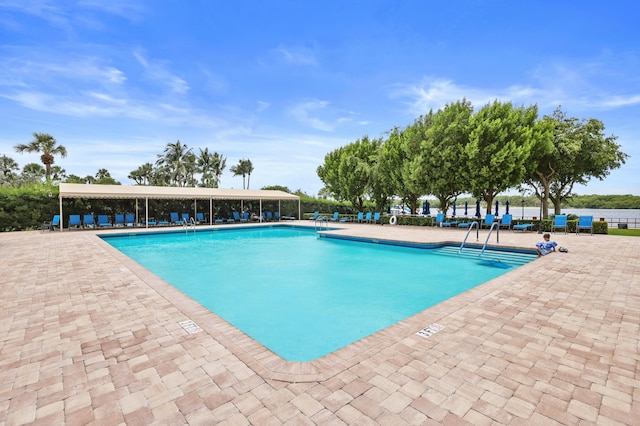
column 142, row 192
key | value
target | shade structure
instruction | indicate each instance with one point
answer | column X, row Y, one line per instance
column 142, row 192
column 478, row 208
column 506, row 207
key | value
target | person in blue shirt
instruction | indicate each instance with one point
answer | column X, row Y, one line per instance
column 545, row 247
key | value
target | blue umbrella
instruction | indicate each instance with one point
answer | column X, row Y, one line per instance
column 454, row 206
column 428, row 209
column 506, row 208
column 478, row 208
column 496, row 212
column 466, row 208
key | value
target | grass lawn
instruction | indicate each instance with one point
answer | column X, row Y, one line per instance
column 628, row 232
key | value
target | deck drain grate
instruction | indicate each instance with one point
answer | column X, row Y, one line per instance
column 190, row 326
column 430, row 330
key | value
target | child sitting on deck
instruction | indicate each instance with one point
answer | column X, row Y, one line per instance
column 545, row 247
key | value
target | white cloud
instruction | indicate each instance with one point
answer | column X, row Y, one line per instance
column 297, row 55
column 157, row 71
column 307, row 113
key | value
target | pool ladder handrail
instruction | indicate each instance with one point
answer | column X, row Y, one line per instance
column 493, row 225
column 189, row 224
column 473, row 224
column 322, row 220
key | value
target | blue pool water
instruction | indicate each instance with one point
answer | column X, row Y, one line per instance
column 302, row 296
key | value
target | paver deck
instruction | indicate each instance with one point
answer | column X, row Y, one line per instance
column 87, row 336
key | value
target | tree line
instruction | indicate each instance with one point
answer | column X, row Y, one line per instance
column 177, row 166
column 456, row 151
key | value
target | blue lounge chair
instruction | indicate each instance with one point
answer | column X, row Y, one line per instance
column 186, row 218
column 276, row 216
column 360, row 217
column 129, row 219
column 74, row 221
column 218, row 220
column 103, row 221
column 488, row 221
column 315, row 215
column 119, row 220
column 175, row 219
column 335, row 217
column 585, row 222
column 88, row 221
column 51, row 226
column 523, row 227
column 559, row 221
column 245, row 217
column 200, row 217
column 506, row 221
column 465, row 224
column 376, row 217
column 367, row 217
column 236, row 216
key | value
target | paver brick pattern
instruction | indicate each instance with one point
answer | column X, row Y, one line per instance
column 89, row 337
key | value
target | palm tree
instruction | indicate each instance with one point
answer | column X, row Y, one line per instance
column 45, row 143
column 176, row 162
column 7, row 166
column 219, row 164
column 244, row 168
column 248, row 167
column 142, row 175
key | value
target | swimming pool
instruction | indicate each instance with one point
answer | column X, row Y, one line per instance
column 303, row 296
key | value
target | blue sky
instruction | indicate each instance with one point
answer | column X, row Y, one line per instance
column 285, row 82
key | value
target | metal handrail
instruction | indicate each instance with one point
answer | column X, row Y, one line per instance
column 473, row 224
column 493, row 225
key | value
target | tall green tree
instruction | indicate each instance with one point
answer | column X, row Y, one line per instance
column 8, row 167
column 218, row 166
column 143, row 174
column 347, row 171
column 33, row 172
column 581, row 151
column 48, row 146
column 177, row 163
column 443, row 153
column 501, row 141
column 244, row 168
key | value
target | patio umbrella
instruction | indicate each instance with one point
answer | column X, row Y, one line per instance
column 428, row 209
column 466, row 208
column 454, row 206
column 478, row 208
column 496, row 212
column 506, row 207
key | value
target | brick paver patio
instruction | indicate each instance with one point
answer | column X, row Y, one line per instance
column 87, row 336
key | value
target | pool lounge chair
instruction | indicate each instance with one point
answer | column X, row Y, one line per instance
column 506, row 221
column 103, row 221
column 559, row 221
column 88, row 221
column 74, row 221
column 488, row 221
column 465, row 224
column 584, row 222
column 51, row 226
column 129, row 219
column 315, row 215
column 335, row 217
column 523, row 227
column 200, row 218
column 175, row 219
column 119, row 220
column 236, row 216
column 376, row 217
column 367, row 217
column 359, row 218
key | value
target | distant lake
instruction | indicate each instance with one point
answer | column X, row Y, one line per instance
column 630, row 216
